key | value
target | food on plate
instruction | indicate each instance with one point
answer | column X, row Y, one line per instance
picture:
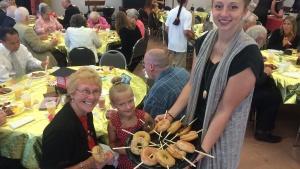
column 192, row 135
column 10, row 109
column 164, row 158
column 183, row 130
column 185, row 146
column 163, row 125
column 38, row 74
column 4, row 90
column 148, row 156
column 98, row 154
column 142, row 134
column 150, row 127
column 174, row 127
column 272, row 66
column 137, row 145
column 176, row 152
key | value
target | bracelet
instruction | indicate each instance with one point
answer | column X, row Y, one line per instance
column 81, row 167
column 170, row 115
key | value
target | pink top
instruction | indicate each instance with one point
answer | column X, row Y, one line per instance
column 124, row 161
column 141, row 26
column 52, row 24
column 101, row 21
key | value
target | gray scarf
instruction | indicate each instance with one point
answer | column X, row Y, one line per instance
column 227, row 148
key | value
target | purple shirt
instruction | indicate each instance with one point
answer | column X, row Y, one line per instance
column 102, row 21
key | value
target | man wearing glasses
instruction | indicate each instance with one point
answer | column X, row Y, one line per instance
column 169, row 82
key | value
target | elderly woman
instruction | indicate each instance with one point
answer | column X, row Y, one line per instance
column 97, row 21
column 46, row 23
column 78, row 35
column 129, row 33
column 70, row 136
column 286, row 36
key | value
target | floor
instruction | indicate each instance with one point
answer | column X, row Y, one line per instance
column 261, row 155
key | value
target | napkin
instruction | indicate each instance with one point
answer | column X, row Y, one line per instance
column 116, row 155
column 21, row 122
column 295, row 75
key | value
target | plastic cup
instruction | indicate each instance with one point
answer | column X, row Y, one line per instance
column 106, row 70
column 281, row 67
column 17, row 90
column 271, row 57
column 92, row 67
column 26, row 100
column 107, row 31
column 287, row 66
column 101, row 102
column 51, row 107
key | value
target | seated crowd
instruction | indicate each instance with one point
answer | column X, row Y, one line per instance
column 22, row 50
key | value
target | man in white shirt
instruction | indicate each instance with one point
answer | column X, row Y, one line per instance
column 178, row 26
column 15, row 59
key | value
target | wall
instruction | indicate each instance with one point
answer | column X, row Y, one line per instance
column 56, row 4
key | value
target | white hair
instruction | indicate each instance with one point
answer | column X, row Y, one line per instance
column 10, row 11
column 256, row 31
column 94, row 15
column 20, row 14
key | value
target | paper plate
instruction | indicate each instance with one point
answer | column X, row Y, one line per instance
column 17, row 109
column 37, row 74
column 7, row 91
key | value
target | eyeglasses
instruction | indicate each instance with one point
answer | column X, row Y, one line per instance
column 96, row 93
column 158, row 65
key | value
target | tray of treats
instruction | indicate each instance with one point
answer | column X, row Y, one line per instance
column 163, row 145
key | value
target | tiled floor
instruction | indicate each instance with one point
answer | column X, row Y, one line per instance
column 261, row 155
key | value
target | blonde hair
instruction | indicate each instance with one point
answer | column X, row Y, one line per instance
column 294, row 25
column 118, row 87
column 82, row 75
column 123, row 21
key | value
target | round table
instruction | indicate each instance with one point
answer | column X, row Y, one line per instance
column 25, row 142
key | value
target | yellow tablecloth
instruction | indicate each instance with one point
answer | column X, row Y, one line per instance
column 289, row 87
column 25, row 142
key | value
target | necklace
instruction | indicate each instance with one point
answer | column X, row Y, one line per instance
column 206, row 78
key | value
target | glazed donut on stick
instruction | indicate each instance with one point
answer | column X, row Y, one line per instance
column 163, row 125
column 136, row 143
column 176, row 152
column 185, row 146
column 164, row 158
column 142, row 134
column 149, row 126
column 183, row 130
column 192, row 135
column 98, row 154
column 148, row 156
column 174, row 127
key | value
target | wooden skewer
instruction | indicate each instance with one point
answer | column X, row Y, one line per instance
column 192, row 164
column 192, row 121
column 174, row 137
column 171, row 141
column 142, row 121
column 199, row 131
column 165, row 114
column 204, row 154
column 182, row 117
column 127, row 131
column 167, row 167
column 138, row 165
column 92, row 152
column 159, row 136
column 167, row 135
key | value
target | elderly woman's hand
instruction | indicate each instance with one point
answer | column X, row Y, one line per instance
column 97, row 26
column 2, row 117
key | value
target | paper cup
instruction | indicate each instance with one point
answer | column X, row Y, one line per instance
column 101, row 102
column 287, row 66
column 51, row 107
column 17, row 90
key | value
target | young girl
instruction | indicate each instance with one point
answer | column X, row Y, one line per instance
column 127, row 117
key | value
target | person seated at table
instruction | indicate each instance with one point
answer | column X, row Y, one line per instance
column 11, row 2
column 70, row 11
column 9, row 20
column 262, row 10
column 78, row 35
column 133, row 16
column 15, row 59
column 2, row 117
column 286, row 36
column 128, row 32
column 127, row 117
column 97, row 21
column 3, row 7
column 71, row 134
column 46, row 23
column 169, row 82
column 266, row 97
column 32, row 41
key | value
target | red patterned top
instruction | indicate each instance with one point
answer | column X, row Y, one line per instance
column 124, row 161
